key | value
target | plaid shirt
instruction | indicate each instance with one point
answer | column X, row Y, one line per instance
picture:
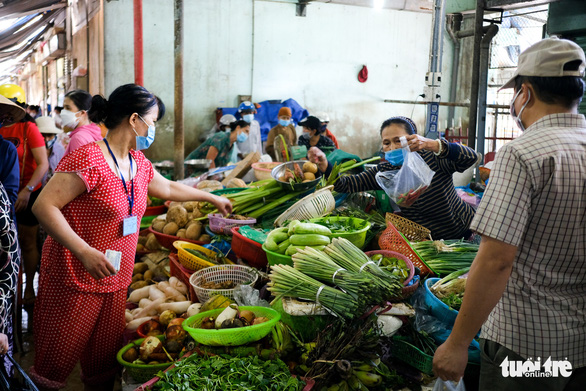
column 536, row 200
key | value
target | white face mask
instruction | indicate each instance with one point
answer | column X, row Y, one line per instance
column 69, row 118
column 517, row 118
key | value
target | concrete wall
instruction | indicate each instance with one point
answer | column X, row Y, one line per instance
column 261, row 48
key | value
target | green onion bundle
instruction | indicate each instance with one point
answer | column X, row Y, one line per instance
column 287, row 281
column 446, row 256
column 317, row 265
column 351, row 258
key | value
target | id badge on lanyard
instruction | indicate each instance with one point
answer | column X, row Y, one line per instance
column 130, row 223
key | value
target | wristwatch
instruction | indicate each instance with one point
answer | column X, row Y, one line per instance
column 30, row 188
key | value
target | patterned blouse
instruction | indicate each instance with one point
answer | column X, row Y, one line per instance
column 221, row 141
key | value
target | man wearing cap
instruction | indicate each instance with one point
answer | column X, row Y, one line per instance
column 222, row 126
column 283, row 128
column 253, row 142
column 55, row 149
column 313, row 134
column 526, row 287
column 325, row 120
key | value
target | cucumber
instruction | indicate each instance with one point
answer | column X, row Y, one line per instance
column 271, row 242
column 309, row 240
column 311, row 228
column 282, row 247
column 294, row 249
column 292, row 226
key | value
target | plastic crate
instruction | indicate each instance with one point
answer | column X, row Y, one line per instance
column 249, row 250
column 182, row 273
column 393, row 240
column 411, row 355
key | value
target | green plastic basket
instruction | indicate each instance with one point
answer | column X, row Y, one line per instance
column 357, row 237
column 277, row 259
column 231, row 337
column 141, row 372
column 411, row 355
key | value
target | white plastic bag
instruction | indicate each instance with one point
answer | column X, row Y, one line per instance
column 406, row 185
column 441, row 385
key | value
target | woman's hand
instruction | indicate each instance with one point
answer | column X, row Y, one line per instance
column 96, row 263
column 316, row 155
column 3, row 344
column 223, row 204
column 22, row 200
column 419, row 143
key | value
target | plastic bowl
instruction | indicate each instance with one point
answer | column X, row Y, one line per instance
column 387, row 253
column 248, row 249
column 141, row 372
column 274, row 258
column 231, row 337
column 168, row 240
column 357, row 237
column 438, row 308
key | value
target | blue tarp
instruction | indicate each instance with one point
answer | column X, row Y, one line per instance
column 267, row 114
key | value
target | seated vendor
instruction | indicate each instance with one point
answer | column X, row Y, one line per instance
column 325, row 120
column 218, row 147
column 313, row 134
column 439, row 208
column 285, row 127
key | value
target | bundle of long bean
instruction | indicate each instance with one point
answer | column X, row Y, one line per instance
column 287, row 281
column 350, row 257
column 446, row 256
column 316, row 264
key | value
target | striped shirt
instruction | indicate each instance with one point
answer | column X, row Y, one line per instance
column 536, row 200
column 439, row 208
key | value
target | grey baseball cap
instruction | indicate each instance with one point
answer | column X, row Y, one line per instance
column 547, row 58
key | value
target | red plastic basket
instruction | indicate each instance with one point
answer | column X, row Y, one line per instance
column 183, row 274
column 167, row 240
column 219, row 224
column 155, row 210
column 248, row 249
column 393, row 240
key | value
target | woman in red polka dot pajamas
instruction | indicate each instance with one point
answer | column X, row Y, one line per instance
column 94, row 203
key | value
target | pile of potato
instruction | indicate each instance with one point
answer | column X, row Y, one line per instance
column 148, row 243
column 180, row 221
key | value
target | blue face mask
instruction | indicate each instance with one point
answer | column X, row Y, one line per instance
column 248, row 117
column 284, row 122
column 242, row 137
column 395, row 157
column 145, row 142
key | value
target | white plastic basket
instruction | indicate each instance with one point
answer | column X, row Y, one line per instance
column 312, row 206
column 237, row 273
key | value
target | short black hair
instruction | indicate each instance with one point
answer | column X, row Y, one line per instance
column 407, row 123
column 239, row 123
column 82, row 99
column 122, row 103
column 566, row 91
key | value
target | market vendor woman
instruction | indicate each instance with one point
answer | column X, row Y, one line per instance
column 94, row 203
column 218, row 147
column 439, row 208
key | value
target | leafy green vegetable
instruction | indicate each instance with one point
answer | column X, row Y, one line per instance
column 227, row 373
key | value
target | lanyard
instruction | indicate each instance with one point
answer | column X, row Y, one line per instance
column 131, row 196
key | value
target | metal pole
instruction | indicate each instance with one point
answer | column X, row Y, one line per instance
column 483, row 88
column 138, row 46
column 473, row 112
column 448, row 104
column 433, row 77
column 87, row 42
column 457, row 22
column 179, row 153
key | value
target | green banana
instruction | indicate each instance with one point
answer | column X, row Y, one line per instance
column 353, row 383
column 334, row 387
column 363, row 367
column 368, row 379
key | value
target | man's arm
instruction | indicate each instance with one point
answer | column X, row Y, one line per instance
column 486, row 283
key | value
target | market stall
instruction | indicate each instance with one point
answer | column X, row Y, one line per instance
column 300, row 289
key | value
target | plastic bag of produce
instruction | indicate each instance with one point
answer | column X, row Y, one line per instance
column 406, row 185
column 247, row 295
column 441, row 385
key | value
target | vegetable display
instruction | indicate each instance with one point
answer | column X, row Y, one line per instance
column 450, row 289
column 446, row 256
column 224, row 373
column 297, row 235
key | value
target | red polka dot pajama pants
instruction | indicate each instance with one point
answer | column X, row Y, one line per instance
column 71, row 325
